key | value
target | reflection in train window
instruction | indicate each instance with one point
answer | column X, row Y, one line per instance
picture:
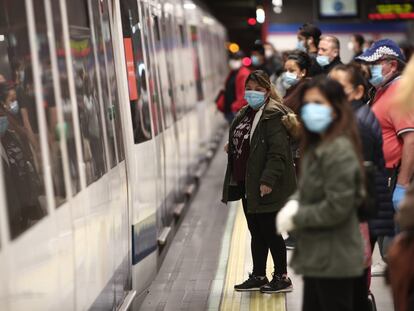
column 55, row 131
column 68, row 126
column 116, row 113
column 85, row 76
column 109, row 109
column 156, row 106
column 19, row 133
column 196, row 62
column 182, row 35
column 136, row 71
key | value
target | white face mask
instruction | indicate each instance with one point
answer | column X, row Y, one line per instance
column 268, row 53
column 235, row 64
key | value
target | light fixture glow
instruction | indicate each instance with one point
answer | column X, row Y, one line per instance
column 1, row 38
column 189, row 6
column 260, row 15
column 251, row 21
column 234, row 47
column 277, row 9
column 277, row 2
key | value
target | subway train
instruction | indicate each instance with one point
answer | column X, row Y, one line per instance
column 106, row 114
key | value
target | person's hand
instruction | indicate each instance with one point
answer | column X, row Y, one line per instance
column 398, row 195
column 284, row 219
column 264, row 190
column 226, row 147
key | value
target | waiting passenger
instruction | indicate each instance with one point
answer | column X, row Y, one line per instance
column 323, row 212
column 356, row 45
column 328, row 53
column 273, row 60
column 382, row 224
column 260, row 172
column 297, row 68
column 401, row 256
column 259, row 60
column 387, row 62
column 308, row 41
column 231, row 99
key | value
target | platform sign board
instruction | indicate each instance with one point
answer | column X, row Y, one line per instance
column 129, row 58
column 338, row 8
column 392, row 11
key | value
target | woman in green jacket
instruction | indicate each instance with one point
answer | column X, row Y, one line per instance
column 323, row 212
column 260, row 171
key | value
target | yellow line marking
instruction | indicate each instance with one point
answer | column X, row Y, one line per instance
column 238, row 263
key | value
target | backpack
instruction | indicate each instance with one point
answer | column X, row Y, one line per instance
column 368, row 207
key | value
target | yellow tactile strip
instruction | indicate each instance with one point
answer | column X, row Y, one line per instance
column 236, row 273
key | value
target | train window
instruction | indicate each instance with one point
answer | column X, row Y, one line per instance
column 182, row 35
column 19, row 132
column 65, row 98
column 55, row 130
column 196, row 62
column 85, row 76
column 151, row 73
column 100, row 45
column 136, row 71
column 113, row 87
column 156, row 27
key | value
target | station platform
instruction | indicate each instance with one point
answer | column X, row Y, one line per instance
column 211, row 253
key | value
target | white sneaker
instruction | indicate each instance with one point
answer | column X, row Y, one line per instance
column 378, row 269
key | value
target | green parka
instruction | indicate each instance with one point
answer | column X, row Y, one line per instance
column 329, row 242
column 270, row 162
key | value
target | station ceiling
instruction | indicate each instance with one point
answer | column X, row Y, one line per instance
column 233, row 14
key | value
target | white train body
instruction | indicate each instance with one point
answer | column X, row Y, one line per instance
column 116, row 112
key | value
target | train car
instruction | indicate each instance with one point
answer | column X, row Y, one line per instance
column 106, row 112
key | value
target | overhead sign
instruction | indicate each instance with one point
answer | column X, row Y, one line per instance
column 392, row 11
column 338, row 8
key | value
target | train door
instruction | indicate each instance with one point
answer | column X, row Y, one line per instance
column 142, row 127
column 99, row 211
column 36, row 239
column 179, row 44
column 170, row 144
column 156, row 96
column 167, row 29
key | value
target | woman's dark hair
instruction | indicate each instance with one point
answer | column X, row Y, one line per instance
column 344, row 123
column 302, row 59
column 262, row 79
column 310, row 30
column 359, row 38
column 355, row 76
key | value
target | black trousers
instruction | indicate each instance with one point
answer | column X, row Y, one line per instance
column 264, row 237
column 331, row 294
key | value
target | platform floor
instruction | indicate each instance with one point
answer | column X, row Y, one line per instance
column 210, row 253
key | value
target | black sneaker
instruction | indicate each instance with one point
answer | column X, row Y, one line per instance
column 290, row 242
column 277, row 285
column 251, row 284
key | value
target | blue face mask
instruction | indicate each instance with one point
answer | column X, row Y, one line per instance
column 301, row 46
column 14, row 107
column 317, row 118
column 255, row 60
column 323, row 60
column 255, row 99
column 4, row 125
column 289, row 79
column 376, row 74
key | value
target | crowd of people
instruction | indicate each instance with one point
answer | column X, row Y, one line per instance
column 324, row 151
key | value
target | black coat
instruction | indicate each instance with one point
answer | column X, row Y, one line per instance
column 371, row 137
column 335, row 62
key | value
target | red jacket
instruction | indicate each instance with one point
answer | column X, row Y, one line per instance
column 239, row 102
